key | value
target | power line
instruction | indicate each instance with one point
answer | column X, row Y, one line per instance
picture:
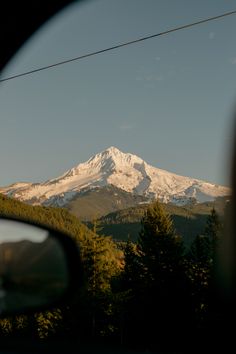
column 141, row 39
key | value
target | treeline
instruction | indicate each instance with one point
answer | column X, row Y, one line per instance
column 150, row 295
column 188, row 220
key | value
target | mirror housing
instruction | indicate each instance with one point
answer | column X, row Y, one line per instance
column 39, row 267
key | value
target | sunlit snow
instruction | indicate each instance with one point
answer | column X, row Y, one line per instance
column 123, row 170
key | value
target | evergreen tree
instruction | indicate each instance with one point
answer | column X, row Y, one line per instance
column 202, row 268
column 165, row 301
column 131, row 273
column 160, row 247
column 213, row 230
column 200, row 251
column 198, row 271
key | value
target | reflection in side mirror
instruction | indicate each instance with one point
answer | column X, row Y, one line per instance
column 35, row 266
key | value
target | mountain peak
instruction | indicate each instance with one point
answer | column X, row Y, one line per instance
column 114, row 156
column 113, row 150
column 125, row 171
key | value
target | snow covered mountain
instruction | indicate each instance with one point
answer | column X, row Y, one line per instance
column 122, row 170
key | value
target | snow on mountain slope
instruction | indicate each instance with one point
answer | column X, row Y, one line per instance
column 123, row 170
column 14, row 188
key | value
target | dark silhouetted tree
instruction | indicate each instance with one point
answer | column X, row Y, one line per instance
column 200, row 251
column 164, row 299
column 213, row 231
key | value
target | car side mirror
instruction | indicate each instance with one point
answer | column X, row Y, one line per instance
column 39, row 267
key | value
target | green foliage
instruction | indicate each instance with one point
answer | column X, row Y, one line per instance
column 101, row 262
column 205, row 247
column 131, row 260
column 153, row 281
column 160, row 247
column 147, row 294
column 57, row 218
column 48, row 322
column 201, row 266
column 200, row 251
column 6, row 326
column 14, row 326
column 100, row 257
column 188, row 221
column 199, row 276
column 213, row 231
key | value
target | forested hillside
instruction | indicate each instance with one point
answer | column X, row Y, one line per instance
column 101, row 260
column 134, row 294
column 188, row 221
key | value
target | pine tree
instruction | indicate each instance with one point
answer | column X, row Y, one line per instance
column 200, row 251
column 198, row 271
column 131, row 273
column 213, row 231
column 202, row 270
column 165, row 298
column 101, row 263
column 158, row 243
column 131, row 286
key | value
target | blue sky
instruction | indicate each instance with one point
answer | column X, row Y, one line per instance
column 168, row 100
